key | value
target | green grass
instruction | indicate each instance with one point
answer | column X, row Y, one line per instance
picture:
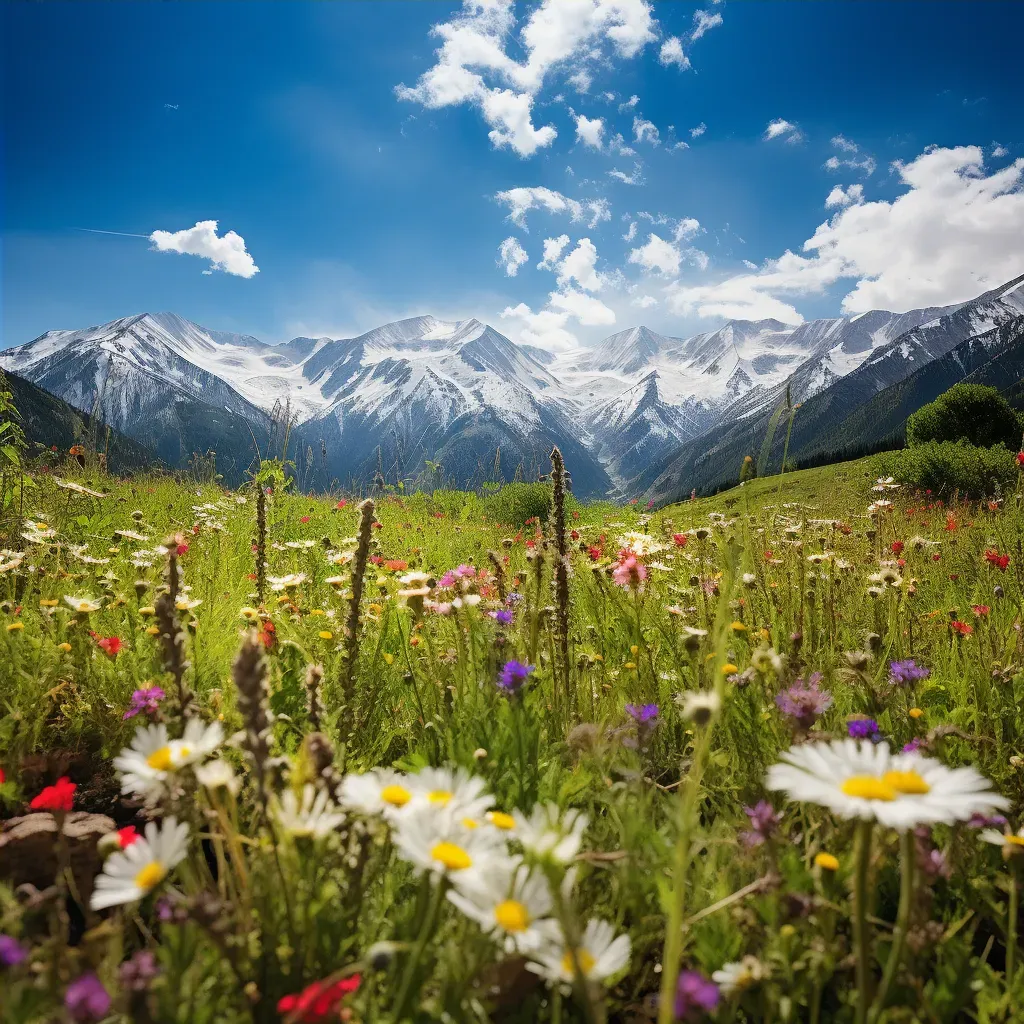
column 772, row 583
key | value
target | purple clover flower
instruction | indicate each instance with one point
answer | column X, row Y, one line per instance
column 643, row 713
column 448, row 579
column 862, row 729
column 146, row 700
column 906, row 673
column 86, row 999
column 136, row 974
column 12, row 952
column 695, row 995
column 513, row 676
column 763, row 824
column 986, row 821
column 804, row 702
column 502, row 616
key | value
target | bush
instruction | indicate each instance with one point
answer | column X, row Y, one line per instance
column 515, row 503
column 943, row 468
column 973, row 413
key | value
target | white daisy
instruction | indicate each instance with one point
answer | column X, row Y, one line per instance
column 152, row 758
column 739, row 975
column 85, row 605
column 699, row 707
column 436, row 841
column 513, row 905
column 291, row 580
column 313, row 818
column 549, row 834
column 600, row 955
column 380, row 792
column 132, row 873
column 640, row 544
column 861, row 779
column 218, row 774
column 454, row 789
column 1012, row 843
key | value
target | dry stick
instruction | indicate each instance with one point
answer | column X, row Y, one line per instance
column 560, row 576
column 261, row 544
column 353, row 623
column 172, row 636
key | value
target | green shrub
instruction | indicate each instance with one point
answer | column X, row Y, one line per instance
column 515, row 503
column 973, row 413
column 945, row 467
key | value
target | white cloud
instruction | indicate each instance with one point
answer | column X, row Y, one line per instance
column 645, row 131
column 843, row 143
column 780, row 127
column 863, row 162
column 704, row 21
column 545, row 328
column 581, row 81
column 645, row 301
column 748, row 263
column 636, row 178
column 588, row 310
column 954, row 233
column 618, row 145
column 629, row 104
column 511, row 256
column 658, row 255
column 838, row 197
column 696, row 133
column 473, row 67
column 580, row 266
column 590, row 130
column 631, row 233
column 672, row 53
column 686, row 228
column 225, row 252
column 553, row 252
column 999, row 151
column 523, row 199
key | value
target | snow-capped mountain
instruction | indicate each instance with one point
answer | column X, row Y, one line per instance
column 462, row 394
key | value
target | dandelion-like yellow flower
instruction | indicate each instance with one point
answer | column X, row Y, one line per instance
column 827, row 862
column 915, row 713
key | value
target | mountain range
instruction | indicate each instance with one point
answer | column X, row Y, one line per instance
column 640, row 414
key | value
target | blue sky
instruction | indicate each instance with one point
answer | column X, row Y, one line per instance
column 361, row 202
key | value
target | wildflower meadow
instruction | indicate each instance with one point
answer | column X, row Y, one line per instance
column 506, row 757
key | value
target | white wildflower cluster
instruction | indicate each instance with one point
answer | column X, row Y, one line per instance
column 444, row 824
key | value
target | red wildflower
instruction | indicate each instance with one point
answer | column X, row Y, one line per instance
column 266, row 634
column 341, row 504
column 531, row 543
column 1020, row 459
column 980, row 610
column 961, row 627
column 304, row 519
column 126, row 836
column 575, row 534
column 594, row 552
column 57, row 797
column 3, row 778
column 377, row 559
column 318, row 1001
column 936, row 557
column 1001, row 562
column 897, row 546
column 951, row 523
column 680, row 539
column 396, row 565
column 110, row 645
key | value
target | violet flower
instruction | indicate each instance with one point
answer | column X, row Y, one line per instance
column 804, row 702
column 863, row 729
column 763, row 824
column 906, row 673
column 12, row 952
column 513, row 676
column 146, row 700
column 695, row 995
column 86, row 999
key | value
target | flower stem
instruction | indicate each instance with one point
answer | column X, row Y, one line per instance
column 899, row 935
column 1011, row 930
column 860, row 919
column 408, row 988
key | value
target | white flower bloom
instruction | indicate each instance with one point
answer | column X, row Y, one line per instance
column 861, row 779
column 314, row 817
column 699, row 707
column 437, row 841
column 739, row 975
column 513, row 905
column 132, row 873
column 549, row 833
column 380, row 792
column 1011, row 843
column 640, row 544
column 219, row 774
column 456, row 790
column 279, row 583
column 85, row 605
column 600, row 955
column 152, row 758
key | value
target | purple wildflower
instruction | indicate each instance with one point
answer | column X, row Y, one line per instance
column 913, row 746
column 763, row 823
column 643, row 713
column 695, row 995
column 146, row 700
column 136, row 974
column 514, row 598
column 12, row 952
column 465, row 571
column 805, row 702
column 86, row 999
column 986, row 821
column 512, row 676
column 502, row 616
column 906, row 673
column 448, row 579
column 862, row 729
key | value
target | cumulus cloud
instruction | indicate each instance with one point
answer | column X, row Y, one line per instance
column 618, row 145
column 553, row 248
column 590, row 130
column 657, row 255
column 581, row 81
column 645, row 131
column 545, row 328
column 629, row 104
column 672, row 53
column 839, row 197
column 781, row 128
column 523, row 199
column 999, row 151
column 636, row 178
column 580, row 266
column 588, row 310
column 644, row 301
column 511, row 256
column 696, row 133
column 704, row 21
column 473, row 66
column 225, row 252
column 952, row 234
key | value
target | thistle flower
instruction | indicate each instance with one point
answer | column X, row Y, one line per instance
column 804, row 702
column 513, row 677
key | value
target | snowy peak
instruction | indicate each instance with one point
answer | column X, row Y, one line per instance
column 626, row 352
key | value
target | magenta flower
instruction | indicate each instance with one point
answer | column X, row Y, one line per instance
column 513, row 676
column 805, row 702
column 695, row 995
column 763, row 824
column 146, row 700
column 12, row 952
column 86, row 999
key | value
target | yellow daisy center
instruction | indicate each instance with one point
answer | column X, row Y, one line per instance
column 453, row 857
column 441, row 797
column 150, row 876
column 160, row 760
column 512, row 916
column 397, row 796
column 583, row 958
column 1014, row 840
column 84, row 606
column 499, row 819
column 887, row 788
column 907, row 782
column 469, row 823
